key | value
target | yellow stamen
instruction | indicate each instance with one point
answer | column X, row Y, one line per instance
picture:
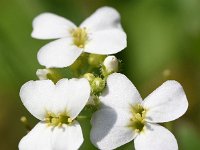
column 57, row 120
column 80, row 37
column 138, row 118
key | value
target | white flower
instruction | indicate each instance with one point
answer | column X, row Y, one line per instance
column 57, row 106
column 101, row 33
column 124, row 116
column 111, row 64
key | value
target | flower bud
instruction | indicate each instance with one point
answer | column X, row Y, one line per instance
column 98, row 85
column 51, row 74
column 93, row 100
column 110, row 65
column 25, row 122
column 42, row 74
column 89, row 76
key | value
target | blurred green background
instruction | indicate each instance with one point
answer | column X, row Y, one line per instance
column 163, row 43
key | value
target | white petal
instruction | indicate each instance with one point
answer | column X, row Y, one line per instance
column 60, row 53
column 35, row 95
column 68, row 137
column 106, row 42
column 166, row 103
column 39, row 138
column 43, row 137
column 104, row 18
column 110, row 128
column 156, row 137
column 51, row 26
column 120, row 92
column 70, row 96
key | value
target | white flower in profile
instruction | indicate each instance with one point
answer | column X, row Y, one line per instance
column 56, row 106
column 101, row 33
column 42, row 74
column 124, row 116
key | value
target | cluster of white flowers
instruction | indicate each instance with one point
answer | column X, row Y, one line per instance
column 120, row 113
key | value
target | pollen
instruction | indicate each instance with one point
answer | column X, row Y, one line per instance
column 137, row 121
column 57, row 120
column 80, row 37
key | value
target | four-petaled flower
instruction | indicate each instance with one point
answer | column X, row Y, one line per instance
column 124, row 116
column 57, row 106
column 101, row 33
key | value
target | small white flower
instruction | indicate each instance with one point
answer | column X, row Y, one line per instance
column 101, row 33
column 111, row 64
column 57, row 106
column 124, row 116
column 42, row 73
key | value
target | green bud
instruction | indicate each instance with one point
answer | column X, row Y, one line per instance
column 23, row 119
column 93, row 100
column 25, row 122
column 89, row 76
column 95, row 60
column 98, row 85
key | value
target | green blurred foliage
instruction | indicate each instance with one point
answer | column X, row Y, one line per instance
column 163, row 36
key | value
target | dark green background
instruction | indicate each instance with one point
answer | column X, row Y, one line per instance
column 163, row 35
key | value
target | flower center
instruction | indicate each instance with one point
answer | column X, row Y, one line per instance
column 57, row 120
column 138, row 118
column 79, row 36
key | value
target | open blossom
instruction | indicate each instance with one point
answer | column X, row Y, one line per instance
column 124, row 116
column 101, row 33
column 56, row 106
